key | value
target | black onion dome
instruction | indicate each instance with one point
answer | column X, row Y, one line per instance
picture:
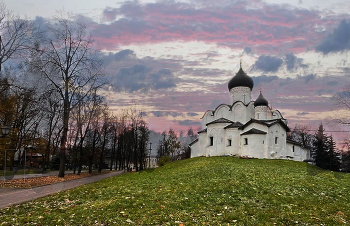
column 241, row 79
column 261, row 101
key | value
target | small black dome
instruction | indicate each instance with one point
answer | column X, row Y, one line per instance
column 261, row 101
column 241, row 79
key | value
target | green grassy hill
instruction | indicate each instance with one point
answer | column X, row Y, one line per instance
column 200, row 191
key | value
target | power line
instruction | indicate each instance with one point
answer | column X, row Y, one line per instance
column 328, row 131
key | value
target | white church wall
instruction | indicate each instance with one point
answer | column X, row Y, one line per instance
column 211, row 148
column 239, row 112
column 218, row 133
column 241, row 93
column 223, row 111
column 207, row 117
column 234, row 135
column 277, row 147
column 249, row 112
column 221, row 142
column 299, row 153
column 196, row 150
column 254, row 146
column 256, row 126
column 262, row 113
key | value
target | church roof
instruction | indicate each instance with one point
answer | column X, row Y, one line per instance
column 241, row 79
column 267, row 123
column 234, row 125
column 203, row 131
column 261, row 101
column 254, row 131
column 293, row 142
column 220, row 120
column 193, row 142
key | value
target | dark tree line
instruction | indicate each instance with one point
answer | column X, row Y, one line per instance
column 324, row 152
column 172, row 147
column 51, row 100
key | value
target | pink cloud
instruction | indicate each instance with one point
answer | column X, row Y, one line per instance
column 269, row 27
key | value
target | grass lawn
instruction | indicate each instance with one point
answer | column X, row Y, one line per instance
column 200, row 191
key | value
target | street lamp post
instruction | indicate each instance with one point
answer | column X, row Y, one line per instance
column 149, row 156
column 5, row 130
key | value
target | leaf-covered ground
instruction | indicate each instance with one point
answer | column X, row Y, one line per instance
column 200, row 191
column 44, row 180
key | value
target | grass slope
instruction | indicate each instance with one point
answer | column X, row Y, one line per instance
column 210, row 191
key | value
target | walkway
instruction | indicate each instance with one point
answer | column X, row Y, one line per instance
column 11, row 196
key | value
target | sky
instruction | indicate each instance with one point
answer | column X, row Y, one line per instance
column 173, row 59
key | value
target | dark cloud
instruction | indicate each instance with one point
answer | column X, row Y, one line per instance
column 191, row 114
column 338, row 41
column 141, row 78
column 332, row 83
column 247, row 50
column 308, row 78
column 290, row 61
column 346, row 69
column 293, row 62
column 166, row 113
column 303, row 113
column 109, row 14
column 125, row 54
column 285, row 81
column 163, row 79
column 263, row 78
column 188, row 122
column 268, row 63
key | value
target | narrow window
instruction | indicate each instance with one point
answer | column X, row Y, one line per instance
column 257, row 115
column 245, row 141
column 293, row 148
column 211, row 141
column 276, row 140
column 263, row 142
column 229, row 142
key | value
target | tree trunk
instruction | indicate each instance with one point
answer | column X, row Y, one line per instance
column 63, row 144
column 91, row 157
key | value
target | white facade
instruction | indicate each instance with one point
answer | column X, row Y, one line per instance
column 246, row 128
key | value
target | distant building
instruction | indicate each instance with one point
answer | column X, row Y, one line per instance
column 246, row 127
column 152, row 162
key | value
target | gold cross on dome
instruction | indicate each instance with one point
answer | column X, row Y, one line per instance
column 240, row 60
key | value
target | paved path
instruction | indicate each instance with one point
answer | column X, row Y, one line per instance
column 10, row 196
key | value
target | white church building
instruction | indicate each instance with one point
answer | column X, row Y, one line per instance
column 246, row 128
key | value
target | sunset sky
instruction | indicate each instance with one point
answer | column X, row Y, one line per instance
column 173, row 59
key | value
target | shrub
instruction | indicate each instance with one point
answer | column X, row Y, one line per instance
column 164, row 160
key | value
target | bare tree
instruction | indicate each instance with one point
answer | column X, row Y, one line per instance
column 302, row 134
column 342, row 107
column 69, row 63
column 52, row 110
column 16, row 35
